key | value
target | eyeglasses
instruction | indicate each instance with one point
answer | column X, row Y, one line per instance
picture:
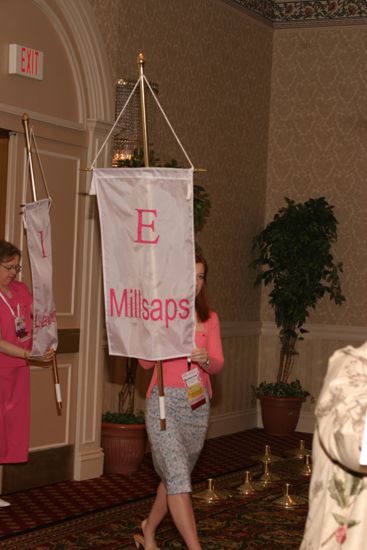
column 16, row 268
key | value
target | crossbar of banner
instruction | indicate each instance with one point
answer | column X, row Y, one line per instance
column 55, row 370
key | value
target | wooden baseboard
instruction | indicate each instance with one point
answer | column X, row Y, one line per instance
column 43, row 468
column 229, row 423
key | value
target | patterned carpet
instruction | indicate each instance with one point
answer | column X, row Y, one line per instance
column 104, row 512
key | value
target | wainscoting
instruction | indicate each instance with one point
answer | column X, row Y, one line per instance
column 233, row 406
column 251, row 352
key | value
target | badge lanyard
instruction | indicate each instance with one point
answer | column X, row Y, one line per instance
column 194, row 386
column 20, row 329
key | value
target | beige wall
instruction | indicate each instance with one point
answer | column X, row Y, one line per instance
column 212, row 64
column 70, row 113
column 318, row 147
column 269, row 113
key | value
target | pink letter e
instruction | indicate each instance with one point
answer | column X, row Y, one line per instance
column 140, row 239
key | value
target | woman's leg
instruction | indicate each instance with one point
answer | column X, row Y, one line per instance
column 182, row 513
column 156, row 514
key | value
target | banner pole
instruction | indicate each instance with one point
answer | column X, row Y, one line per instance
column 162, row 409
column 55, row 371
column 29, row 153
column 143, row 109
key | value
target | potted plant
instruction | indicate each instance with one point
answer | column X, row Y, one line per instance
column 293, row 256
column 123, row 435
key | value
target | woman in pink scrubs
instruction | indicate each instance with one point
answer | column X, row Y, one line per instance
column 15, row 350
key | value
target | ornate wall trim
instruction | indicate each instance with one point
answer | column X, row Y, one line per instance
column 306, row 13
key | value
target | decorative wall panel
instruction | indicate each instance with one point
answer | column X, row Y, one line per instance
column 318, row 145
column 212, row 65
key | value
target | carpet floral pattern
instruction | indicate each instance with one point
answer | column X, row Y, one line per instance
column 238, row 522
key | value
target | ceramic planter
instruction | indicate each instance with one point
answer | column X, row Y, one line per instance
column 280, row 415
column 124, row 446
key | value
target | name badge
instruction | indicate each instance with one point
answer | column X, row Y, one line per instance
column 20, row 328
column 194, row 388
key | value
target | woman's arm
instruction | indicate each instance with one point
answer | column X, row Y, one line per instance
column 16, row 351
column 11, row 349
column 210, row 358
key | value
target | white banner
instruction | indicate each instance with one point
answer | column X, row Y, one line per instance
column 37, row 224
column 146, row 217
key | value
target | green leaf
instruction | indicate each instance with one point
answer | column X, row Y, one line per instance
column 336, row 489
column 342, row 520
column 123, row 418
column 293, row 256
column 281, row 389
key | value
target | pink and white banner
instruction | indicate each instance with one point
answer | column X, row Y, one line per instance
column 37, row 224
column 146, row 217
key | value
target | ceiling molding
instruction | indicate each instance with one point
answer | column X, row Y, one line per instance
column 306, row 12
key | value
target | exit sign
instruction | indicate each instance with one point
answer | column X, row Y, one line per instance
column 25, row 61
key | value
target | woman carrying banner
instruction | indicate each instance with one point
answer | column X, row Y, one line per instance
column 15, row 350
column 176, row 449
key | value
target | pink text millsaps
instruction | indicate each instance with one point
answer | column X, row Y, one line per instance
column 131, row 303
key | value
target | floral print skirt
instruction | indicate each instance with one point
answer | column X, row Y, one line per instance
column 176, row 449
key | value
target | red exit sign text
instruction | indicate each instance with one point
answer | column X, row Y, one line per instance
column 25, row 61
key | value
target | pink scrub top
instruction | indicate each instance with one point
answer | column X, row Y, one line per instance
column 14, row 377
column 20, row 302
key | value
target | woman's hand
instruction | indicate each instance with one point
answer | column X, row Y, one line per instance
column 48, row 356
column 200, row 356
column 45, row 358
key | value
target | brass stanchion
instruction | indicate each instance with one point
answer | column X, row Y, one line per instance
column 288, row 500
column 267, row 478
column 267, row 456
column 210, row 495
column 300, row 452
column 307, row 468
column 246, row 488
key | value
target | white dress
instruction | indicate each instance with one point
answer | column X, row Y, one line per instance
column 337, row 517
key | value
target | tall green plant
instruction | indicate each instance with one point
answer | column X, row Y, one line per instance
column 293, row 256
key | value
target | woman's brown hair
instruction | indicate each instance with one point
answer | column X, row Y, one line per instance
column 8, row 251
column 201, row 301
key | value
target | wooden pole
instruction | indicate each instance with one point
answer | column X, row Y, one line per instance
column 162, row 410
column 55, row 371
column 29, row 153
column 143, row 110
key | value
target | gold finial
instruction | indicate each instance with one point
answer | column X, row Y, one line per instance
column 141, row 59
